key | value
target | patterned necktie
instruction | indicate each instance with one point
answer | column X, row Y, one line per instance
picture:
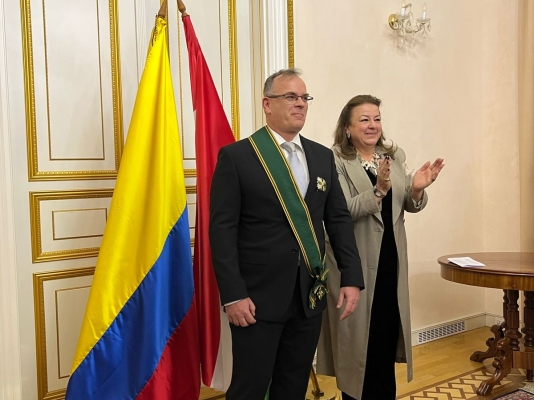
column 296, row 167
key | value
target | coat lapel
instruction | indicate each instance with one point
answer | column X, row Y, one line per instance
column 398, row 182
column 360, row 180
column 358, row 176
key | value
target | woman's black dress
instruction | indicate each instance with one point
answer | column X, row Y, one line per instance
column 379, row 382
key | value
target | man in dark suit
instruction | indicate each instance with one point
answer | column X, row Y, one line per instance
column 263, row 211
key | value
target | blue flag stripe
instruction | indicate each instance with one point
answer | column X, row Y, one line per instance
column 123, row 360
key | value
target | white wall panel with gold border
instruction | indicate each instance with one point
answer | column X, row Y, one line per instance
column 68, row 224
column 59, row 297
column 72, row 85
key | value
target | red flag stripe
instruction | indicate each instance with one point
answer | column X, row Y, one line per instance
column 212, row 132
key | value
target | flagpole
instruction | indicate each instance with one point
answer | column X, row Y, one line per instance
column 181, row 8
column 162, row 13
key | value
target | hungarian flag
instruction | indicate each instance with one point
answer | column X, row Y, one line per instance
column 212, row 132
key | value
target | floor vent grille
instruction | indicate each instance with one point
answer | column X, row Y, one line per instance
column 442, row 331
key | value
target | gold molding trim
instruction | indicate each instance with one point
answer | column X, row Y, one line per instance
column 35, row 221
column 40, row 327
column 116, row 82
column 187, row 172
column 29, row 93
column 190, row 173
column 290, row 35
column 190, row 189
column 234, row 83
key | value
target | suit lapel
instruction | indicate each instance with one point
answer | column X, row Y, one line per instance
column 313, row 167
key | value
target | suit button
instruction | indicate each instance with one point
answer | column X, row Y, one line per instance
column 294, row 251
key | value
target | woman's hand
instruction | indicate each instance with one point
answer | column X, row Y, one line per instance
column 383, row 182
column 425, row 176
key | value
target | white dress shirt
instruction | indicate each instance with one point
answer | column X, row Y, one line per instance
column 300, row 151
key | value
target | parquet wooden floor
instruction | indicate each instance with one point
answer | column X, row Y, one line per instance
column 442, row 371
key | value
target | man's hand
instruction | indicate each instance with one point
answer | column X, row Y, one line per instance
column 243, row 312
column 352, row 296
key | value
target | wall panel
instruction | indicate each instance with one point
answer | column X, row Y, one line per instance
column 60, row 299
column 68, row 224
column 72, row 89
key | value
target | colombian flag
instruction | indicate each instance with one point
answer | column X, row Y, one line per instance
column 139, row 338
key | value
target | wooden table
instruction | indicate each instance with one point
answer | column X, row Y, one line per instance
column 511, row 272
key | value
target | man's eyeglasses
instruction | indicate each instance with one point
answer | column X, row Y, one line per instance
column 291, row 98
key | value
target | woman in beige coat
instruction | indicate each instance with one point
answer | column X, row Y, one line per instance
column 361, row 351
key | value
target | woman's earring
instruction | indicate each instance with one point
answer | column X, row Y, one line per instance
column 348, row 134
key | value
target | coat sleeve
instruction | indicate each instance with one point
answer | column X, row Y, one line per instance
column 409, row 205
column 225, row 205
column 360, row 205
column 338, row 225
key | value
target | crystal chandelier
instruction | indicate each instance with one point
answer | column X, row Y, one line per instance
column 406, row 28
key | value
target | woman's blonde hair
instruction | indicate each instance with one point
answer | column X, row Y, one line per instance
column 345, row 147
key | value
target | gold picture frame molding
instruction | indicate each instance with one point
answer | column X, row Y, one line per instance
column 38, row 255
column 40, row 327
column 234, row 72
column 29, row 95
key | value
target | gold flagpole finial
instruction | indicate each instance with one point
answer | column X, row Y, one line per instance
column 181, row 8
column 162, row 13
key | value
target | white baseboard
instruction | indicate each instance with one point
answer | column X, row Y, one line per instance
column 494, row 319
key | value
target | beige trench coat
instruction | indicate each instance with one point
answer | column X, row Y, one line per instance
column 342, row 348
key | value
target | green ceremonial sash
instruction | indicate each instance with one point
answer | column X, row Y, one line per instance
column 279, row 172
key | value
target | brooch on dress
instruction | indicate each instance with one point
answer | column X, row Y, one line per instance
column 321, row 184
column 371, row 165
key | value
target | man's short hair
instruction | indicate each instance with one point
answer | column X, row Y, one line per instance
column 289, row 73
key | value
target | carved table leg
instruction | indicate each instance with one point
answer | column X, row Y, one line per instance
column 502, row 365
column 505, row 346
column 528, row 330
column 479, row 356
column 512, row 320
column 505, row 302
column 498, row 332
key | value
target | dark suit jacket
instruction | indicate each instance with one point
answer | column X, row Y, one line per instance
column 255, row 253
